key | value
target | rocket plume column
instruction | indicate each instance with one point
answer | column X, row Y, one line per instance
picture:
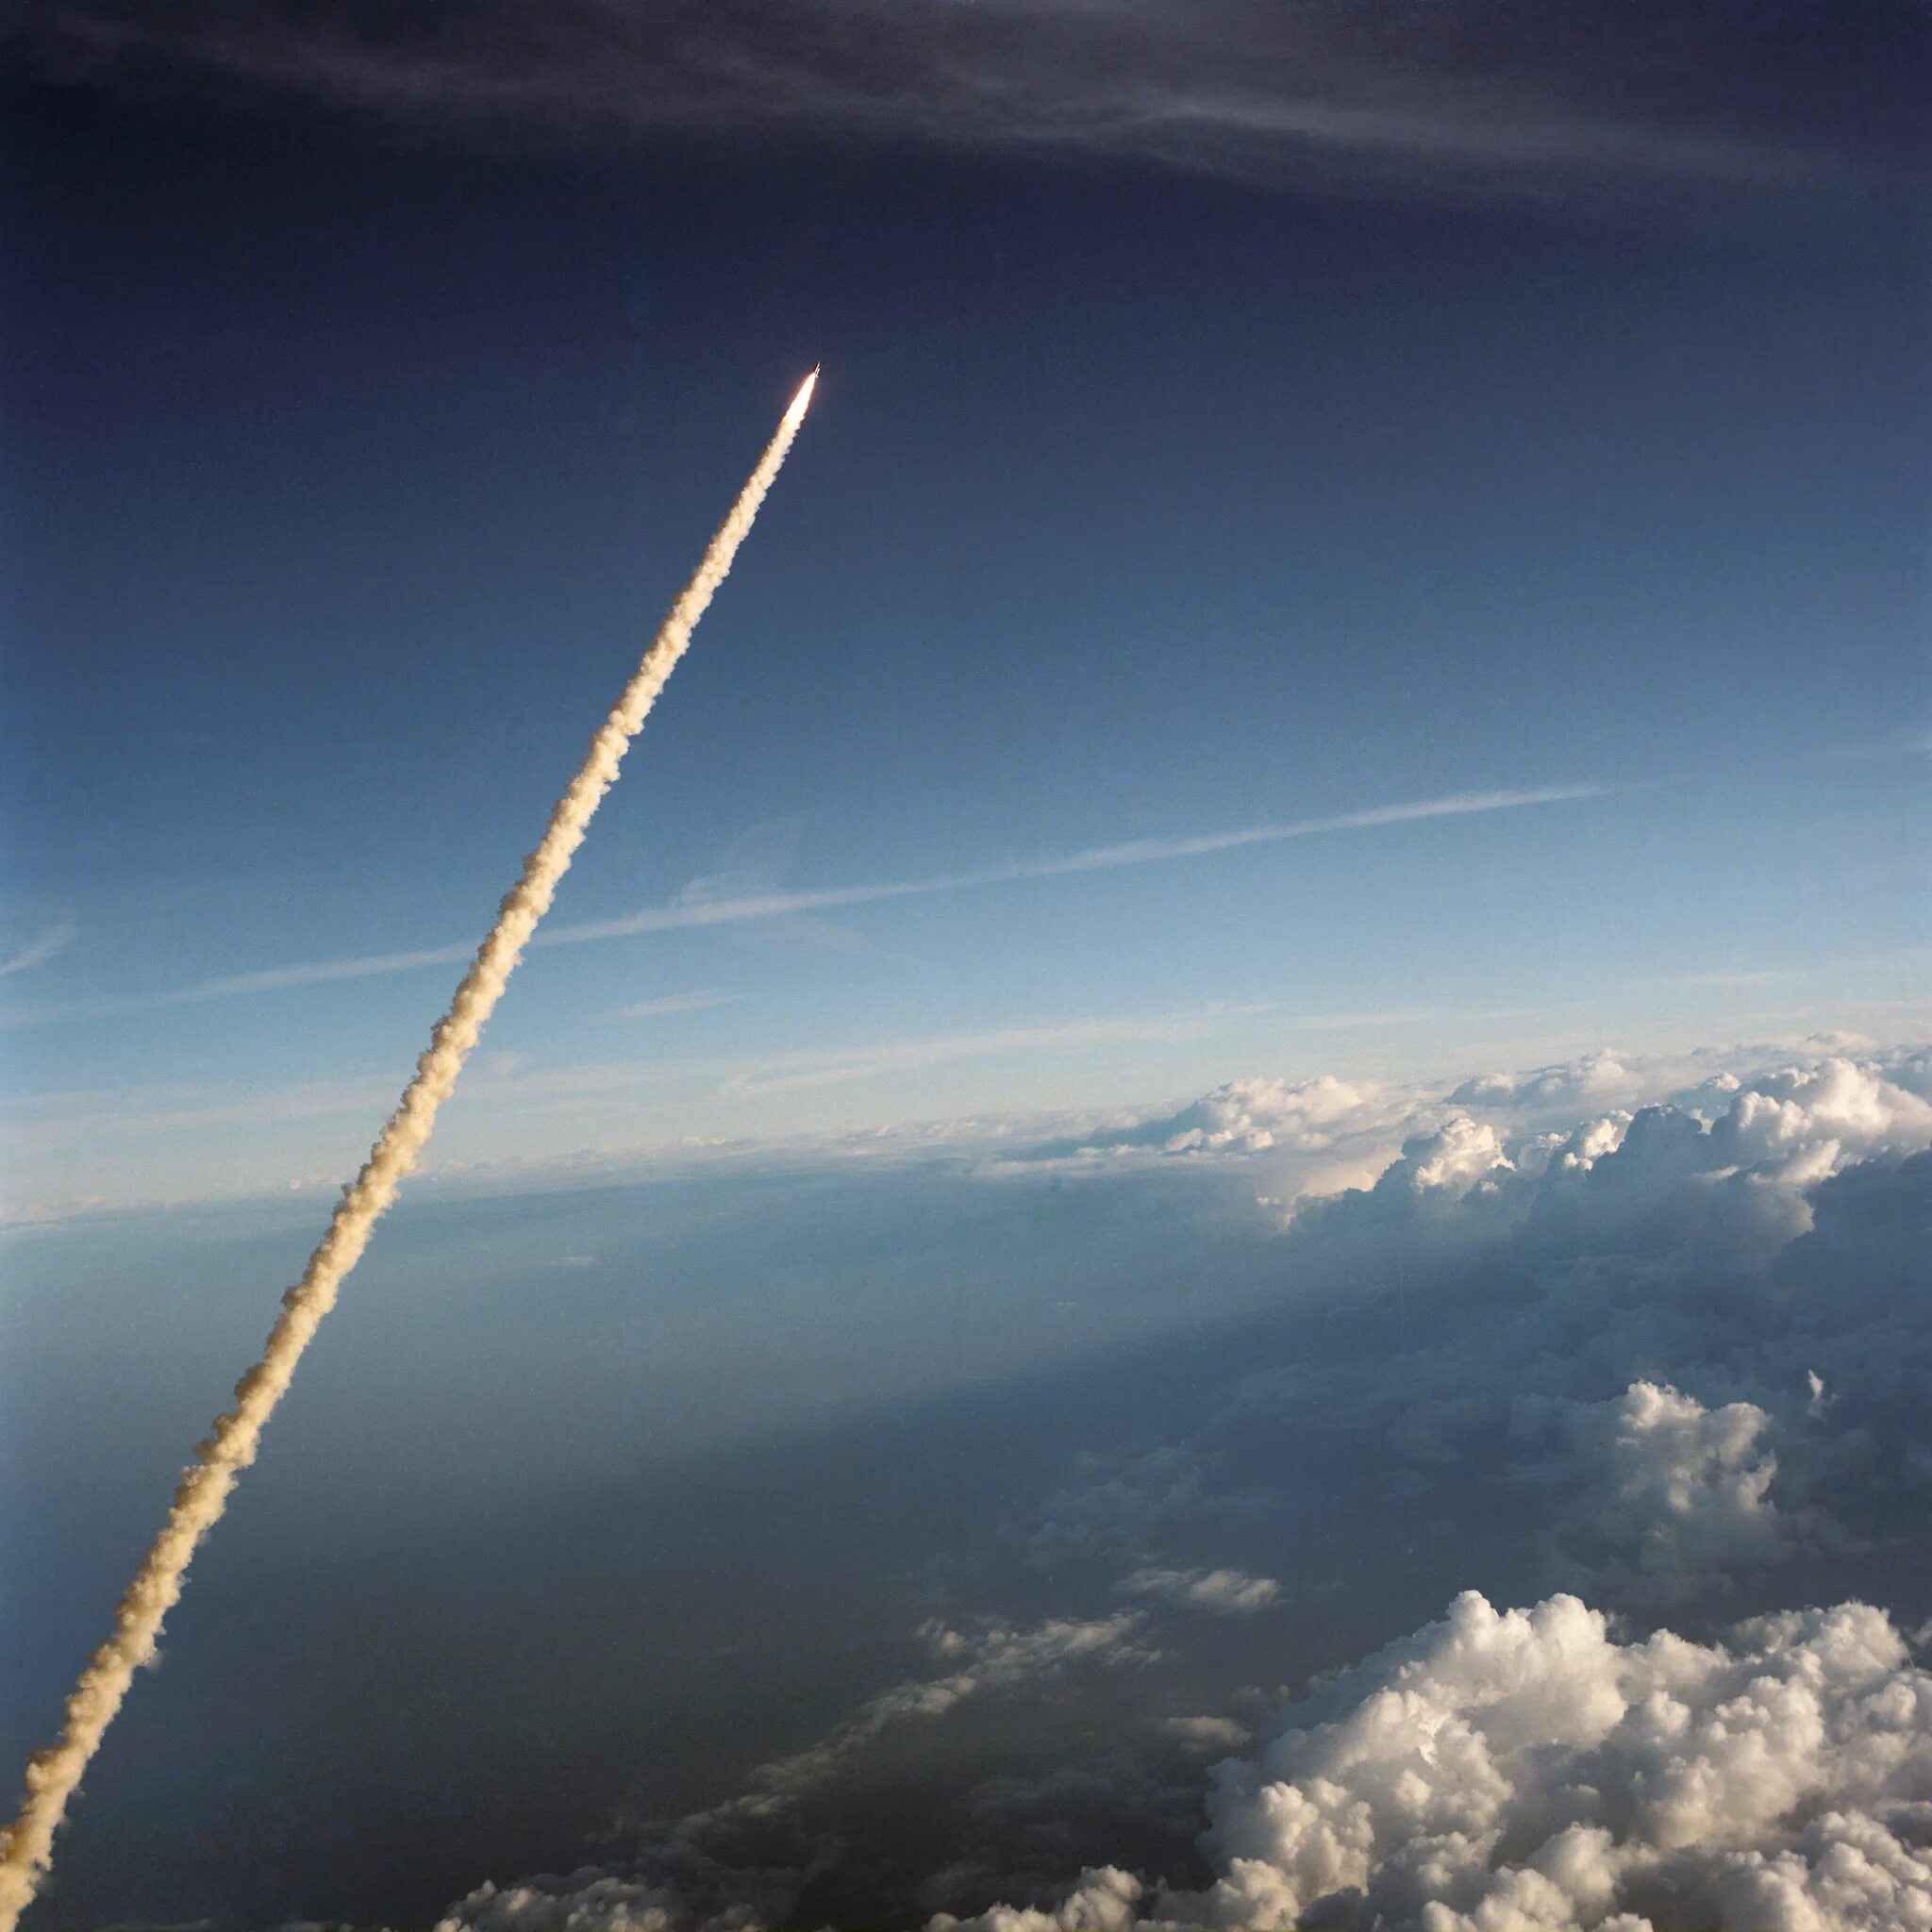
column 27, row 1846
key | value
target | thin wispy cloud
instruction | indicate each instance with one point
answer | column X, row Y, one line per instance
column 1455, row 96
column 49, row 945
column 808, row 1066
column 97, row 1119
column 673, row 1003
column 813, row 1067
column 1909, row 740
column 685, row 913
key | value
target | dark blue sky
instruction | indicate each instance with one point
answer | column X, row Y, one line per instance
column 347, row 464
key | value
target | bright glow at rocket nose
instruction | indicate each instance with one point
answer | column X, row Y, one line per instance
column 802, row 399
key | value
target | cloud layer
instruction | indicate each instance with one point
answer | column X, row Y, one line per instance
column 1641, row 1334
column 1151, row 1428
column 1637, row 1341
column 1467, row 92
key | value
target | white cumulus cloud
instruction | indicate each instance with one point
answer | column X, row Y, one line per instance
column 1674, row 1498
column 1233, row 1592
column 593, row 1900
column 1523, row 1769
column 1207, row 1736
column 1250, row 1116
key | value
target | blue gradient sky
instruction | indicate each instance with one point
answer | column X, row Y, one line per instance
column 346, row 477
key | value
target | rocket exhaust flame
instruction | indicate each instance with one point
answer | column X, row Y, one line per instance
column 26, row 1845
column 796, row 414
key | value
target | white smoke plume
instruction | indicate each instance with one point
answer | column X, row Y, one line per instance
column 232, row 1444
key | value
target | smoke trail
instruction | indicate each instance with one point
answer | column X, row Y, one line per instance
column 27, row 1848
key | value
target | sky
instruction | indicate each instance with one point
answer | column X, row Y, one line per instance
column 352, row 460
column 1268, row 967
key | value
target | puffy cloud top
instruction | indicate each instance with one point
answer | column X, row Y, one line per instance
column 1669, row 1173
column 1522, row 1769
column 1597, row 1079
column 1674, row 1498
column 591, row 1900
column 1233, row 1592
column 1804, row 1122
column 1252, row 1116
column 1453, row 1159
column 1868, row 1102
column 1769, row 1130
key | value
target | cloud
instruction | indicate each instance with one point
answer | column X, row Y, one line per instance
column 1715, row 1251
column 1565, row 1346
column 1585, row 1349
column 707, row 904
column 1105, row 1901
column 667, row 1004
column 1459, row 1156
column 1597, row 1079
column 1252, row 1116
column 1232, row 1593
column 1463, row 94
column 1026, row 1831
column 1326, row 1136
column 1804, row 1122
column 995, row 1657
column 1311, row 1136
column 1207, row 1736
column 1674, row 1498
column 1523, row 1769
column 739, row 1865
column 1732, row 1154
column 1114, row 1507
column 1651, row 1276
column 49, row 945
column 593, row 1901
column 835, row 1066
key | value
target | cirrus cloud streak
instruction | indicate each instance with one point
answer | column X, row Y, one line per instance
column 686, row 913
